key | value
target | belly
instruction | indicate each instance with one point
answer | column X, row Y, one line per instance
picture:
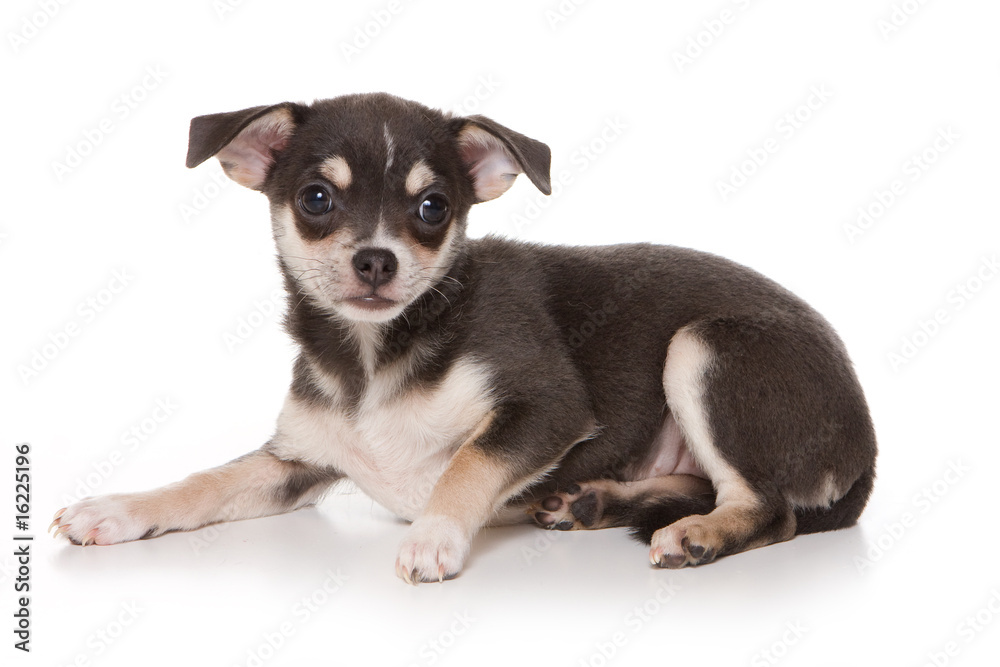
column 669, row 454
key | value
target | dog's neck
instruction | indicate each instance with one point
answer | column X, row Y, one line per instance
column 418, row 342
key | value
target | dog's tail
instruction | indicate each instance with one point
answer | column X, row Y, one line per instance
column 841, row 514
column 650, row 517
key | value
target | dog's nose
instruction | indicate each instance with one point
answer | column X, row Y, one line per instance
column 375, row 266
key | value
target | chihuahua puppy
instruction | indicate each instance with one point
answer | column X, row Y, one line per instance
column 462, row 382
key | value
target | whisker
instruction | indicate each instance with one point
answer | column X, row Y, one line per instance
column 303, row 273
column 310, row 259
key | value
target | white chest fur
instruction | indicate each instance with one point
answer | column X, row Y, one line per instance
column 397, row 444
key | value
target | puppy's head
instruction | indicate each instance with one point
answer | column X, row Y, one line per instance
column 369, row 193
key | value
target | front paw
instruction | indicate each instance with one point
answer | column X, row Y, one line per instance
column 434, row 549
column 103, row 520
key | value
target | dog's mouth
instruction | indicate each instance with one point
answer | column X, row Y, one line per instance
column 372, row 302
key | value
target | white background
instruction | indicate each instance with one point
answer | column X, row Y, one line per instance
column 898, row 589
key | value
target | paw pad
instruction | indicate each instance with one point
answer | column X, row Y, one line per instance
column 576, row 507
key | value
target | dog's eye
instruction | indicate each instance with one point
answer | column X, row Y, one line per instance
column 315, row 200
column 434, row 209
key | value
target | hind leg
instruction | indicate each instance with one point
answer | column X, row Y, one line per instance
column 605, row 503
column 730, row 528
column 747, row 515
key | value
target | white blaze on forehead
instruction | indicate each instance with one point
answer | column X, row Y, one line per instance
column 390, row 146
column 420, row 177
column 338, row 171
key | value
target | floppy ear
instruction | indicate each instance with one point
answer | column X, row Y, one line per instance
column 244, row 141
column 495, row 155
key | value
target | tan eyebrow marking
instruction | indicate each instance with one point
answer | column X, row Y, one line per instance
column 420, row 177
column 338, row 171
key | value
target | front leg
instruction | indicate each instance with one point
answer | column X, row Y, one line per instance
column 254, row 485
column 504, row 455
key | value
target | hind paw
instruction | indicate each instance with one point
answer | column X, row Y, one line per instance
column 686, row 542
column 577, row 508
